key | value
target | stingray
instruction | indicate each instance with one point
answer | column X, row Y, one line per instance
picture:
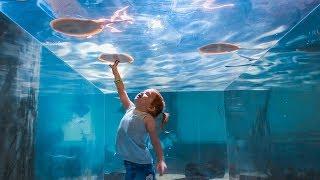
column 84, row 28
column 218, row 48
column 109, row 58
column 224, row 48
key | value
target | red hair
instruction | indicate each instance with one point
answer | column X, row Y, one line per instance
column 159, row 104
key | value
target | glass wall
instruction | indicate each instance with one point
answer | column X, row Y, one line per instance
column 19, row 82
column 70, row 125
column 272, row 110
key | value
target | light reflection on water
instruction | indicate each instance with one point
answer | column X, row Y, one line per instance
column 165, row 37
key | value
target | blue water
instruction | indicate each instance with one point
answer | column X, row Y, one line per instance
column 164, row 38
column 252, row 119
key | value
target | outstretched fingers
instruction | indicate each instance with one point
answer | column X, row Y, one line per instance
column 116, row 61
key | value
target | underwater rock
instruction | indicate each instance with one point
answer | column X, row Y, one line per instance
column 294, row 174
column 253, row 176
column 207, row 170
column 192, row 169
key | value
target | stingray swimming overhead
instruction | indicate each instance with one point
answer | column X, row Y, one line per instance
column 224, row 48
column 218, row 48
column 110, row 58
column 84, row 28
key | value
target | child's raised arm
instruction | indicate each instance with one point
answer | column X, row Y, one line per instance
column 120, row 86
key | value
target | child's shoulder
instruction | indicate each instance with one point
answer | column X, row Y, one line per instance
column 148, row 119
column 150, row 123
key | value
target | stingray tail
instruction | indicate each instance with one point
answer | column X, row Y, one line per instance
column 249, row 58
column 121, row 16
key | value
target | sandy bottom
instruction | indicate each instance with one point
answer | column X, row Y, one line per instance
column 182, row 177
column 165, row 177
column 170, row 176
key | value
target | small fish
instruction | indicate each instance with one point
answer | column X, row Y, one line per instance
column 62, row 156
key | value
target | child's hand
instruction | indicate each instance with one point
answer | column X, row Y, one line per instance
column 161, row 167
column 116, row 62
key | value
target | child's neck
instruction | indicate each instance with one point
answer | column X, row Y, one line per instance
column 140, row 109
